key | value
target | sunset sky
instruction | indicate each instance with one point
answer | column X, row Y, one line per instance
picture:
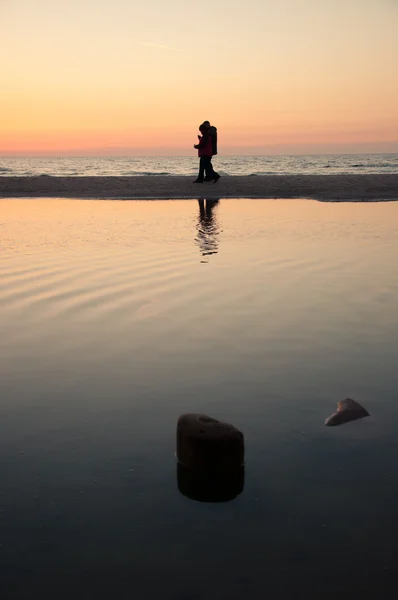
column 122, row 77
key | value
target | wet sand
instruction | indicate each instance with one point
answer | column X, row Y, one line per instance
column 322, row 187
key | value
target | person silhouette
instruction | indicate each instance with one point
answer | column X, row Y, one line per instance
column 205, row 153
column 212, row 131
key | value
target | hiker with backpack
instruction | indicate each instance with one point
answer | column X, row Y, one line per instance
column 207, row 148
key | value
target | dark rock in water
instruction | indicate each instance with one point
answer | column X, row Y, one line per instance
column 205, row 486
column 205, row 444
column 347, row 410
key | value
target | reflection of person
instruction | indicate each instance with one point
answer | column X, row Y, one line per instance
column 207, row 227
column 205, row 152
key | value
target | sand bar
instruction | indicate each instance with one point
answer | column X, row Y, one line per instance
column 322, row 187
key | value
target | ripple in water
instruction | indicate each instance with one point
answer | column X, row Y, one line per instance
column 112, row 327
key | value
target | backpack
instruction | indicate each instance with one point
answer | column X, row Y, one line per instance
column 213, row 135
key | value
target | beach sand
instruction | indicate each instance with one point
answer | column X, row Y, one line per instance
column 322, row 187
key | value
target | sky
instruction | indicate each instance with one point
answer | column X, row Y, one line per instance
column 124, row 77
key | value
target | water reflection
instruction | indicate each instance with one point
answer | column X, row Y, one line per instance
column 207, row 227
column 208, row 486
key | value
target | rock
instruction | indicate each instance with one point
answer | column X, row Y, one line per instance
column 206, row 444
column 347, row 410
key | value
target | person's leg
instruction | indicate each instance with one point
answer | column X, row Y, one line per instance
column 201, row 174
column 214, row 176
column 208, row 168
column 211, row 175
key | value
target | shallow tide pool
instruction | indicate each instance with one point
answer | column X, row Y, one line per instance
column 118, row 316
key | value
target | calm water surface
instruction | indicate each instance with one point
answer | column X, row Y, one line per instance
column 116, row 317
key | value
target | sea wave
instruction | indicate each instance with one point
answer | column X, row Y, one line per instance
column 146, row 173
column 375, row 166
column 259, row 173
column 175, row 166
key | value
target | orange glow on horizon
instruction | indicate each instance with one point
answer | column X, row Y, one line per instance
column 285, row 78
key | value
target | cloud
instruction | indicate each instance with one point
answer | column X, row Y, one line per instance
column 158, row 46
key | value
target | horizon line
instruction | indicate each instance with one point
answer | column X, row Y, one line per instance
column 192, row 157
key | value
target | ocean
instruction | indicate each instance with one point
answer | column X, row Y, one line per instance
column 186, row 165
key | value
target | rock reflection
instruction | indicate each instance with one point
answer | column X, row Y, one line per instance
column 207, row 227
column 206, row 486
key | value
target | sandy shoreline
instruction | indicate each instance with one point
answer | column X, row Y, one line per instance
column 322, row 187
